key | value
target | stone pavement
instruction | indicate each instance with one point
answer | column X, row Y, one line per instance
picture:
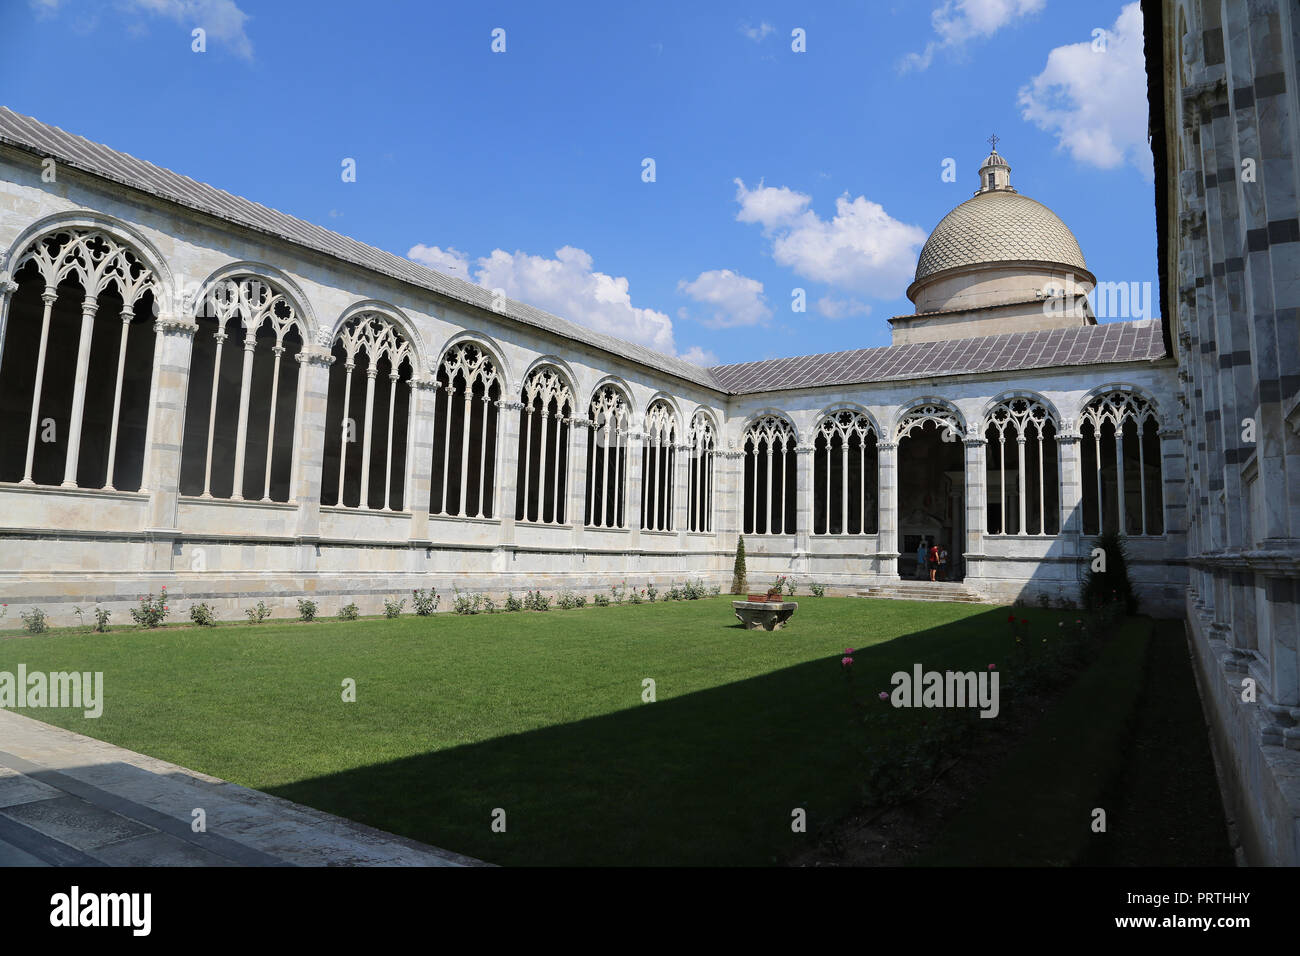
column 71, row 800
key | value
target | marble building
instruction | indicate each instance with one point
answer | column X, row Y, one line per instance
column 1225, row 131
column 204, row 393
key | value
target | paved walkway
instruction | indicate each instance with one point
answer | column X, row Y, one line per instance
column 70, row 800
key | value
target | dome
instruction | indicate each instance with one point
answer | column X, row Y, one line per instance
column 997, row 226
column 993, row 159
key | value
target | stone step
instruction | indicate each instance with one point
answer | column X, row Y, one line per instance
column 924, row 591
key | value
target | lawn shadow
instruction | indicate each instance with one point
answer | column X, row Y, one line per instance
column 709, row 777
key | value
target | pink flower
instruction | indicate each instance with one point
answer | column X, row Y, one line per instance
column 993, row 667
column 1023, row 621
column 1011, row 619
column 848, row 650
column 846, row 661
column 884, row 695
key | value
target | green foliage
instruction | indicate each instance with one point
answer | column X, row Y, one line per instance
column 151, row 612
column 818, row 590
column 393, row 609
column 258, row 613
column 306, row 610
column 1113, row 585
column 568, row 600
column 465, row 603
column 203, row 615
column 739, row 580
column 424, row 601
column 514, row 604
column 34, row 621
column 600, row 600
column 536, row 601
column 349, row 612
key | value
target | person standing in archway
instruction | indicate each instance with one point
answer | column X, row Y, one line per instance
column 934, row 560
column 943, row 564
column 921, row 560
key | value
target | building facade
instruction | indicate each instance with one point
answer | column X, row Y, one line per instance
column 206, row 394
column 1225, row 126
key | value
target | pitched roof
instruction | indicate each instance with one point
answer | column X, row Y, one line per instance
column 1050, row 348
column 77, row 152
column 1112, row 342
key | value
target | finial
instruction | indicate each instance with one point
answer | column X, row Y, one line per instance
column 993, row 141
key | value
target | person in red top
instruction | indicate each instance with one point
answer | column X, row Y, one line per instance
column 934, row 560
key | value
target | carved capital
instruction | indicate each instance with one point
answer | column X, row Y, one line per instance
column 169, row 323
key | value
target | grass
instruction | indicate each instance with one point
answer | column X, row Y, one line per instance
column 1127, row 738
column 538, row 714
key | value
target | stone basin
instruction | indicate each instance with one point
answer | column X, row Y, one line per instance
column 764, row 615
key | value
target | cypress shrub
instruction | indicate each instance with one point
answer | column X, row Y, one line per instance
column 739, row 582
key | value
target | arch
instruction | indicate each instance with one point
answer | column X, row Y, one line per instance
column 265, row 312
column 294, row 297
column 769, row 443
column 490, row 347
column 854, row 407
column 124, row 233
column 419, row 352
column 702, row 439
column 845, row 471
column 1024, row 495
column 1054, row 413
column 101, row 412
column 1119, row 447
column 562, row 368
column 661, row 424
column 609, row 412
column 547, row 413
column 917, row 412
column 469, row 380
column 378, row 337
column 766, row 413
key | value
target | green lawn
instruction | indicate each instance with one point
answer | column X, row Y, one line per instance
column 540, row 714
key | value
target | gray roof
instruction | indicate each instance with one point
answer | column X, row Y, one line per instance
column 998, row 226
column 77, row 152
column 1113, row 342
column 1049, row 348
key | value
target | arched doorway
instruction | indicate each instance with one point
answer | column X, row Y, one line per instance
column 931, row 487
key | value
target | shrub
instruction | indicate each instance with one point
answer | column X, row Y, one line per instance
column 637, row 597
column 424, row 602
column 568, row 600
column 818, row 590
column 790, row 587
column 203, row 615
column 535, row 601
column 674, row 594
column 651, row 592
column 715, row 590
column 489, row 605
column 258, row 613
column 1112, row 585
column 307, row 610
column 600, row 600
column 739, row 582
column 349, row 612
column 466, row 603
column 514, row 604
column 151, row 612
column 34, row 621
column 393, row 609
column 693, row 590
column 101, row 618
column 616, row 592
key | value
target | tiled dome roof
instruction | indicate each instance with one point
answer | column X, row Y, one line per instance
column 998, row 226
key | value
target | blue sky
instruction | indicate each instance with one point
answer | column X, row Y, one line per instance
column 524, row 169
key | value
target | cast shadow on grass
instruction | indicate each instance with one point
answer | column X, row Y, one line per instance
column 710, row 777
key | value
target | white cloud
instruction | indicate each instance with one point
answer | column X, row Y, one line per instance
column 699, row 356
column 1094, row 102
column 862, row 248
column 735, row 299
column 569, row 287
column 449, row 261
column 757, row 33
column 836, row 309
column 221, row 19
column 957, row 21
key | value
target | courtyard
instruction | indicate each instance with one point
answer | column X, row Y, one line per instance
column 549, row 718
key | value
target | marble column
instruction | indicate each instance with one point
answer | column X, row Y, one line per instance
column 976, row 502
column 804, row 497
column 309, row 439
column 82, row 374
column 165, row 430
column 419, row 455
column 1071, row 533
column 887, row 540
column 506, row 474
column 7, row 289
